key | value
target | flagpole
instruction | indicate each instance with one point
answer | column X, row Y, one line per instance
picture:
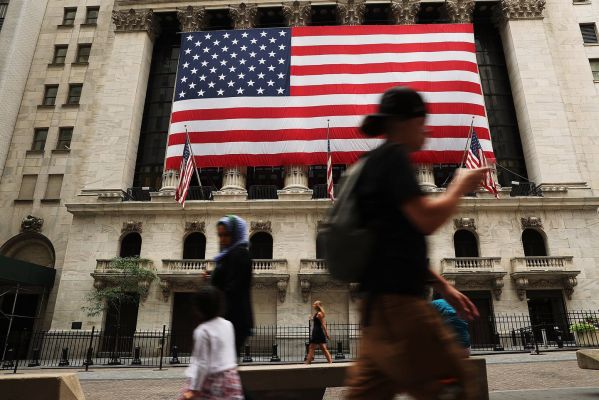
column 194, row 161
column 467, row 142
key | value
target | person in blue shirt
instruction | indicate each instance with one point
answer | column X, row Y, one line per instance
column 458, row 325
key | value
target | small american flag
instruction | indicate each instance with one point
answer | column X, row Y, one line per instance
column 475, row 158
column 330, row 185
column 262, row 97
column 186, row 170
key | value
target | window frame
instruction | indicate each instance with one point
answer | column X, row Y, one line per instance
column 595, row 73
column 93, row 21
column 81, row 46
column 70, row 96
column 46, row 197
column 20, row 194
column 594, row 26
column 46, row 97
column 60, row 140
column 55, row 55
column 64, row 16
column 36, row 140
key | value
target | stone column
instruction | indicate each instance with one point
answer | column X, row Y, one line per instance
column 351, row 12
column 112, row 151
column 244, row 15
column 426, row 179
column 405, row 11
column 459, row 11
column 192, row 19
column 297, row 13
column 233, row 185
column 542, row 120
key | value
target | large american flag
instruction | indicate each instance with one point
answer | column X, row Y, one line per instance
column 262, row 97
column 475, row 158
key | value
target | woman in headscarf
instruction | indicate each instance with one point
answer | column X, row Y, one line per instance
column 233, row 275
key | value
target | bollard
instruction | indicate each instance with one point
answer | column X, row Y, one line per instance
column 136, row 356
column 307, row 350
column 498, row 346
column 339, row 354
column 35, row 358
column 9, row 359
column 88, row 358
column 64, row 358
column 275, row 354
column 174, row 355
column 247, row 357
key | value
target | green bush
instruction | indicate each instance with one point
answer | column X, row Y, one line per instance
column 582, row 327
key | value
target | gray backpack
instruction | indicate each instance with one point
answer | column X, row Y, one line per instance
column 347, row 242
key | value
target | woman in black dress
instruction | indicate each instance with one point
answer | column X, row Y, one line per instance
column 319, row 335
column 233, row 275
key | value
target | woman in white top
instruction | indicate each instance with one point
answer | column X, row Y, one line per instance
column 212, row 372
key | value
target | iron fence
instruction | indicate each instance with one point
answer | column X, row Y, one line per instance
column 280, row 344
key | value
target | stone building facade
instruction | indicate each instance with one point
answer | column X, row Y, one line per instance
column 98, row 199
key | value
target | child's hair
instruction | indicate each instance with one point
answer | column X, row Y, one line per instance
column 209, row 302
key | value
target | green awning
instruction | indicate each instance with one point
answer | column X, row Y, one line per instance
column 25, row 273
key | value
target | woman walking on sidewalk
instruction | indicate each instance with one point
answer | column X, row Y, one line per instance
column 319, row 334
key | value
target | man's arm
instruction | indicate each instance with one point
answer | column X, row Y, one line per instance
column 428, row 214
column 462, row 304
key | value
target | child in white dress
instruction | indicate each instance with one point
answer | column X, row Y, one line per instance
column 212, row 372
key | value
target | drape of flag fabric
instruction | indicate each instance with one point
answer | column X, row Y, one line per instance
column 475, row 158
column 262, row 97
column 187, row 168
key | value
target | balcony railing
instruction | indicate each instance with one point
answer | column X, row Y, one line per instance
column 317, row 265
column 200, row 193
column 546, row 263
column 104, row 266
column 320, row 191
column 470, row 264
column 263, row 192
column 267, row 266
column 188, row 265
column 138, row 194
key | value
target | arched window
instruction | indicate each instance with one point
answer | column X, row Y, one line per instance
column 465, row 244
column 261, row 246
column 533, row 243
column 319, row 247
column 131, row 245
column 194, row 246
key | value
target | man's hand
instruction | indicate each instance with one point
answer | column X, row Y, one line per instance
column 468, row 180
column 465, row 308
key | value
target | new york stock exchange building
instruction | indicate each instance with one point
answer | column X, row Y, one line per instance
column 86, row 172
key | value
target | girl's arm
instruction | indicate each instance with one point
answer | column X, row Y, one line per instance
column 200, row 360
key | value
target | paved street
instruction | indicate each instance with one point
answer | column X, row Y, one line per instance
column 553, row 375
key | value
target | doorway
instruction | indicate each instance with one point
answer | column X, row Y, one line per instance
column 185, row 320
column 547, row 311
column 482, row 330
column 119, row 326
column 23, row 322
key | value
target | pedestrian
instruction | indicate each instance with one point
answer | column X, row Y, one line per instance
column 458, row 326
column 233, row 276
column 319, row 334
column 405, row 347
column 212, row 372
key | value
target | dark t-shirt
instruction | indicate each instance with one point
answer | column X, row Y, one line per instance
column 399, row 260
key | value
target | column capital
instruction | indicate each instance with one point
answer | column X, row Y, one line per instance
column 297, row 13
column 459, row 11
column 351, row 12
column 520, row 9
column 405, row 11
column 192, row 19
column 244, row 15
column 135, row 21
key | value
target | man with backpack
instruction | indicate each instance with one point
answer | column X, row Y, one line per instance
column 383, row 218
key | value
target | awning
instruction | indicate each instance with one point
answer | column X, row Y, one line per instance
column 25, row 273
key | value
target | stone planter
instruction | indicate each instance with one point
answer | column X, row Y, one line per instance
column 587, row 338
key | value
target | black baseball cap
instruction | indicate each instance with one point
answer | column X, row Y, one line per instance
column 400, row 103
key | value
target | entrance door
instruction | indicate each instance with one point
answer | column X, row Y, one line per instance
column 185, row 320
column 547, row 311
column 482, row 329
column 22, row 323
column 119, row 332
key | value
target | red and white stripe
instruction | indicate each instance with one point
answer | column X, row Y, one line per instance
column 477, row 161
column 338, row 73
column 330, row 184
column 186, row 171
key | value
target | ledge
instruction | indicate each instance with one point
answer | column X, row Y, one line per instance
column 23, row 201
column 86, row 63
column 89, row 24
column 56, row 65
column 66, row 105
column 34, row 153
column 61, row 151
column 46, row 106
column 63, row 26
column 50, row 200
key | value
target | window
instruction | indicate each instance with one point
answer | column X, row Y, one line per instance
column 323, row 15
column 465, row 243
column 64, row 138
column 83, row 53
column 50, row 95
column 595, row 69
column 91, row 15
column 131, row 245
column 74, row 93
column 60, row 54
column 3, row 8
column 194, row 247
column 589, row 33
column 53, row 187
column 69, row 16
column 320, row 246
column 39, row 139
column 261, row 246
column 533, row 243
column 27, row 187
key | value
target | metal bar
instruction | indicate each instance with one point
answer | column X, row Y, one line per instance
column 14, row 305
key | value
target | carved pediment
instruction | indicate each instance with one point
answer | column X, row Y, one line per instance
column 261, row 226
column 131, row 226
column 195, row 226
column 32, row 224
column 531, row 222
column 464, row 223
